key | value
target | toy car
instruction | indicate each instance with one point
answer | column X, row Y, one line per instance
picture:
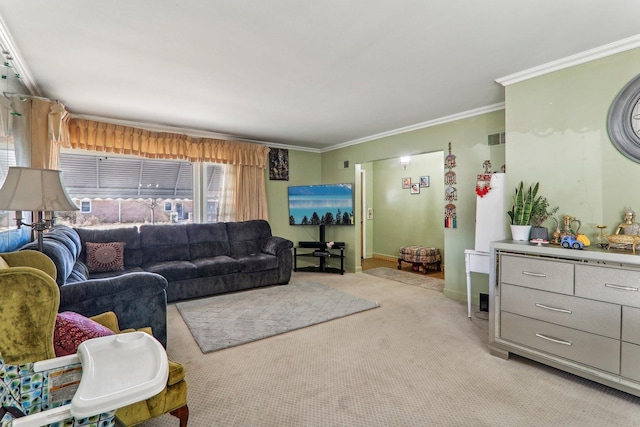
column 570, row 242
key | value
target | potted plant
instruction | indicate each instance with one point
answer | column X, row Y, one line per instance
column 539, row 214
column 520, row 213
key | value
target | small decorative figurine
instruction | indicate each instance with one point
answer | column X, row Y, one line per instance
column 556, row 234
column 627, row 234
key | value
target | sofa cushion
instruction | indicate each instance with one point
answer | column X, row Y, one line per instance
column 173, row 270
column 80, row 273
column 59, row 253
column 257, row 262
column 129, row 235
column 247, row 237
column 103, row 257
column 216, row 266
column 207, row 240
column 110, row 274
column 72, row 329
column 164, row 243
column 68, row 237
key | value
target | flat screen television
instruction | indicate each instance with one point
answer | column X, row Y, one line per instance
column 323, row 204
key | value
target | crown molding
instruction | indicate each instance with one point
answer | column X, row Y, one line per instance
column 573, row 60
column 423, row 125
column 11, row 53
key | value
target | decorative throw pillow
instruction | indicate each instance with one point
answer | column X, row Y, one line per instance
column 72, row 329
column 102, row 257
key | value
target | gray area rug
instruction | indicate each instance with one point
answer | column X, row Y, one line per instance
column 229, row 320
column 416, row 279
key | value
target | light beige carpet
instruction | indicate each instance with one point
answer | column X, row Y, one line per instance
column 415, row 279
column 417, row 360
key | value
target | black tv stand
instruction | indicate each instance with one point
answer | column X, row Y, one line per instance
column 322, row 253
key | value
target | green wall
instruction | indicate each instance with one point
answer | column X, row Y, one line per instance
column 304, row 168
column 557, row 135
column 394, row 205
column 469, row 143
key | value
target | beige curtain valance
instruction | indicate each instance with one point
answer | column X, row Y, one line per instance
column 113, row 138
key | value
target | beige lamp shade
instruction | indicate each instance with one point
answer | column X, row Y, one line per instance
column 28, row 189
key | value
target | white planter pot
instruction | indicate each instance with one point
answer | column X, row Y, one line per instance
column 520, row 232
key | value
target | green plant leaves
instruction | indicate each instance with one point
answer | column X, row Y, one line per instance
column 520, row 213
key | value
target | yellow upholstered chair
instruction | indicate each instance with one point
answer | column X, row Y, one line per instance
column 30, row 301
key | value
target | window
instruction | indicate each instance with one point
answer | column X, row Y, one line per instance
column 7, row 159
column 85, row 206
column 215, row 177
column 124, row 190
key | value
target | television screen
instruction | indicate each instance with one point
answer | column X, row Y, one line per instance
column 328, row 204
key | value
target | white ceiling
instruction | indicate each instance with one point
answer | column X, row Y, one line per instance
column 314, row 74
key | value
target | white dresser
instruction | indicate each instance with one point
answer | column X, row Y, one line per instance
column 576, row 310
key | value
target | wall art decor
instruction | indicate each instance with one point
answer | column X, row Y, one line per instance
column 424, row 181
column 450, row 192
column 483, row 184
column 406, row 183
column 278, row 164
column 450, row 216
column 623, row 121
column 415, row 188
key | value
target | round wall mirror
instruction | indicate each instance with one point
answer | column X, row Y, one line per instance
column 623, row 122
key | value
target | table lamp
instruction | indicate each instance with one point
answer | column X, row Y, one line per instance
column 37, row 190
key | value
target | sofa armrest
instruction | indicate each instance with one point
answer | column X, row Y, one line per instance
column 275, row 244
column 281, row 248
column 138, row 300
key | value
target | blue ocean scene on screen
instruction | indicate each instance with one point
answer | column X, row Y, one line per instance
column 321, row 204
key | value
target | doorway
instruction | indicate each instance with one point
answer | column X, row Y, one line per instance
column 392, row 214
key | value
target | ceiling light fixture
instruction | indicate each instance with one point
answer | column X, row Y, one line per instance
column 405, row 161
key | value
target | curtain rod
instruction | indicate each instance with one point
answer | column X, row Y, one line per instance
column 20, row 95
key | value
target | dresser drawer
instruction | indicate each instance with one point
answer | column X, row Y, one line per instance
column 554, row 276
column 582, row 347
column 615, row 285
column 631, row 324
column 587, row 315
column 630, row 361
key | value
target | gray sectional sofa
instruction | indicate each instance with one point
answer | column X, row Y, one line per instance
column 163, row 263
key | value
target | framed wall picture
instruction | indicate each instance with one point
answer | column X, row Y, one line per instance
column 415, row 188
column 424, row 181
column 278, row 164
column 406, row 183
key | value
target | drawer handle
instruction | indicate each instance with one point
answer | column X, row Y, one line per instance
column 555, row 340
column 622, row 288
column 546, row 307
column 529, row 273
